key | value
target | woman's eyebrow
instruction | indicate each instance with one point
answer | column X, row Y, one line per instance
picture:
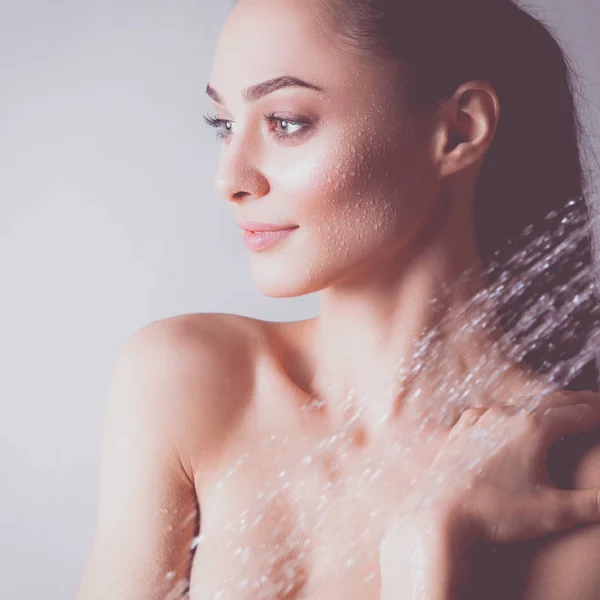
column 259, row 90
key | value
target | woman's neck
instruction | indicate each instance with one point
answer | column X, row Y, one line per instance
column 364, row 342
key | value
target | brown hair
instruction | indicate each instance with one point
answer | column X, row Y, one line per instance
column 532, row 185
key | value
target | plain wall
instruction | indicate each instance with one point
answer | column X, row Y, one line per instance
column 109, row 220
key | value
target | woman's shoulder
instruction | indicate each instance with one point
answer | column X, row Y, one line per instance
column 209, row 348
column 205, row 363
column 215, row 343
column 212, row 326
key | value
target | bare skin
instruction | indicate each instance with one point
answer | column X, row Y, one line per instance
column 183, row 434
column 218, row 411
column 342, row 530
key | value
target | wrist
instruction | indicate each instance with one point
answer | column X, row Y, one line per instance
column 424, row 556
column 449, row 514
column 450, row 521
column 460, row 528
column 459, row 535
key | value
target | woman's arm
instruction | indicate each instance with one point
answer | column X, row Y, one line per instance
column 172, row 402
column 501, row 494
column 422, row 558
column 147, row 501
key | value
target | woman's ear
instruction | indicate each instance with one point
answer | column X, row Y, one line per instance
column 466, row 127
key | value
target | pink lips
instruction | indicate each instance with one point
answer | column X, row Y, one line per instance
column 259, row 236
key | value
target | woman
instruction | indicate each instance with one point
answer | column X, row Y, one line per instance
column 369, row 134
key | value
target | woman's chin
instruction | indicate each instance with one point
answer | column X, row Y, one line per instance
column 286, row 285
column 284, row 289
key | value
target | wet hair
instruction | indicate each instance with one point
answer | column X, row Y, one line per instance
column 532, row 187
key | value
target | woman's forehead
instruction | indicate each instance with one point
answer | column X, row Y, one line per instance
column 262, row 39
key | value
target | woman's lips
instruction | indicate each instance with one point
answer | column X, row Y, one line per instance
column 260, row 240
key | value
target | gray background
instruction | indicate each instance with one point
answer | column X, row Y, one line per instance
column 108, row 220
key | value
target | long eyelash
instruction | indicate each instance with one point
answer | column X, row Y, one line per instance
column 217, row 123
column 212, row 121
column 270, row 117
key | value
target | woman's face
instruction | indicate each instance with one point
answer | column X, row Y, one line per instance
column 347, row 165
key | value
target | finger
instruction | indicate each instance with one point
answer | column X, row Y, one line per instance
column 569, row 508
column 467, row 419
column 498, row 413
column 561, row 398
column 567, row 420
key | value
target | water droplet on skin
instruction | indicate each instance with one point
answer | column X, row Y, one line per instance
column 434, row 363
column 197, row 540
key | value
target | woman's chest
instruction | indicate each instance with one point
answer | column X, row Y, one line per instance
column 292, row 519
column 283, row 525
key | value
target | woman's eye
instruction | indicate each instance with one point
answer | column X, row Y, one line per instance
column 218, row 124
column 287, row 126
column 281, row 127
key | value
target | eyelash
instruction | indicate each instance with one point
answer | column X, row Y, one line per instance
column 217, row 123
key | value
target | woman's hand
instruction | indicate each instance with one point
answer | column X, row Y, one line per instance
column 490, row 473
column 488, row 481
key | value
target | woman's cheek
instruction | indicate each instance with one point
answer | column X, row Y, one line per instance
column 353, row 195
column 346, row 217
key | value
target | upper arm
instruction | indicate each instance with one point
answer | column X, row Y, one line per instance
column 160, row 392
column 568, row 565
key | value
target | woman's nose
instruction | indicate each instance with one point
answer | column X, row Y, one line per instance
column 238, row 175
